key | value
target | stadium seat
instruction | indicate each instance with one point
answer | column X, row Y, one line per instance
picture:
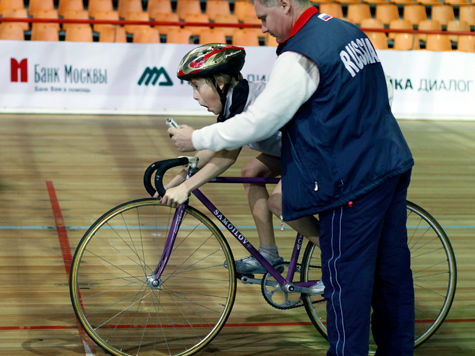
column 186, row 7
column 178, row 35
column 378, row 39
column 428, row 2
column 112, row 34
column 18, row 13
column 226, row 19
column 467, row 14
column 406, row 42
column 247, row 37
column 68, row 5
column 11, row 31
column 146, row 35
column 44, row 32
column 333, row 9
column 39, row 5
column 457, row 2
column 196, row 18
column 48, row 14
column 212, row 35
column 443, row 14
column 375, row 2
column 79, row 33
column 105, row 15
column 459, row 26
column 74, row 15
column 399, row 24
column 243, row 9
column 96, row 6
column 135, row 16
column 438, row 43
column 428, row 25
column 125, row 6
column 159, row 6
column 159, row 16
column 414, row 14
column 11, row 4
column 217, row 7
column 466, row 44
column 358, row 12
column 346, row 2
column 386, row 13
column 404, row 2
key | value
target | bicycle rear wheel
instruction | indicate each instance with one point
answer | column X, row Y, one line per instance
column 123, row 314
column 434, row 272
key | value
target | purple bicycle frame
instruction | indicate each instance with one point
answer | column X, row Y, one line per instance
column 180, row 211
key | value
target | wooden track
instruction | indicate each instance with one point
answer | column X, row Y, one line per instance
column 59, row 173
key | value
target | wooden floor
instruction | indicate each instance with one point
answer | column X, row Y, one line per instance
column 58, row 174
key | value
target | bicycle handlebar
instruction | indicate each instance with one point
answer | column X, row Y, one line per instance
column 160, row 167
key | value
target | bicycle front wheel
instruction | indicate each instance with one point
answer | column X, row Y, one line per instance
column 125, row 315
column 433, row 268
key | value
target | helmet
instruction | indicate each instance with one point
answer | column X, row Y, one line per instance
column 212, row 58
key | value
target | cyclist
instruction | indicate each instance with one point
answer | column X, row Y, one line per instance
column 213, row 71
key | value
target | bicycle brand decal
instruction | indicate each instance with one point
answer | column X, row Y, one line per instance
column 232, row 229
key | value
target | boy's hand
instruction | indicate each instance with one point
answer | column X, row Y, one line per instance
column 181, row 137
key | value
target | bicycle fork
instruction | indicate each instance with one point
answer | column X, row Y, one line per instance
column 154, row 280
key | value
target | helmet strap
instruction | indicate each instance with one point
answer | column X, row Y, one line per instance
column 221, row 92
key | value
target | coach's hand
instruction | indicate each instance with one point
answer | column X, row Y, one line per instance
column 181, row 137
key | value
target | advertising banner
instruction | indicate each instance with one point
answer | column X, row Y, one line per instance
column 129, row 78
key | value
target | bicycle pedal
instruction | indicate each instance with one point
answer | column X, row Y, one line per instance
column 241, row 275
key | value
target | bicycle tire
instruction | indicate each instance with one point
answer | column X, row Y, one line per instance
column 434, row 273
column 117, row 308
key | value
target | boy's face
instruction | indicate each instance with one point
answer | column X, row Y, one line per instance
column 205, row 93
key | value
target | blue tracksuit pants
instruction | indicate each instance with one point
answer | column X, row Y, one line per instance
column 366, row 272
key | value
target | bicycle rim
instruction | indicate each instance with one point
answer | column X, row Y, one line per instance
column 434, row 272
column 117, row 308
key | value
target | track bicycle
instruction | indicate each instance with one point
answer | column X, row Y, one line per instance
column 147, row 279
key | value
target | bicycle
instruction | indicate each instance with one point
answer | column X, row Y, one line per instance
column 130, row 304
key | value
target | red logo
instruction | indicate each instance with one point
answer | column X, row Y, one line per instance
column 21, row 67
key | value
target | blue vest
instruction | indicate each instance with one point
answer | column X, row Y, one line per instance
column 344, row 141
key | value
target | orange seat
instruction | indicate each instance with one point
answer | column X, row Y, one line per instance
column 96, row 6
column 348, row 1
column 247, row 37
column 79, row 33
column 406, row 42
column 112, row 34
column 459, row 26
column 11, row 4
column 136, row 16
column 404, row 2
column 243, row 10
column 126, row 6
column 158, row 16
column 457, row 2
column 386, row 13
column 196, row 18
column 105, row 15
column 428, row 2
column 371, row 23
column 414, row 13
column 226, row 19
column 48, row 14
column 178, row 35
column 378, row 39
column 159, row 6
column 443, row 14
column 466, row 44
column 428, row 25
column 186, row 7
column 375, row 2
column 467, row 14
column 11, row 31
column 146, row 35
column 212, row 35
column 74, row 15
column 217, row 7
column 333, row 9
column 44, row 32
column 68, row 5
column 399, row 24
column 438, row 43
column 18, row 13
column 39, row 5
column 358, row 12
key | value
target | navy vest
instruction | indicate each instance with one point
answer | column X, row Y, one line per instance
column 344, row 140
